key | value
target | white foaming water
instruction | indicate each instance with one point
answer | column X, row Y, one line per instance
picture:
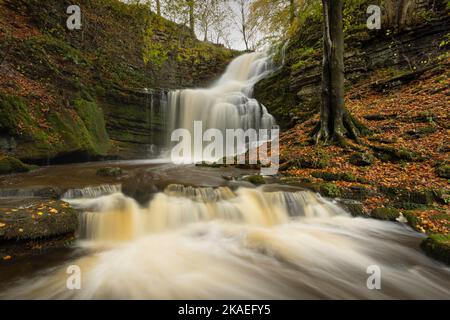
column 205, row 243
column 228, row 104
column 92, row 192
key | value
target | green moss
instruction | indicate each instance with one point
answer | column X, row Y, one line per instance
column 93, row 129
column 362, row 159
column 12, row 165
column 443, row 170
column 318, row 159
column 390, row 214
column 412, row 219
column 328, row 176
column 404, row 196
column 437, row 246
column 327, row 189
column 396, row 154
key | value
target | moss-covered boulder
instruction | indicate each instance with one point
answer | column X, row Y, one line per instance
column 362, row 159
column 409, row 198
column 12, row 165
column 393, row 154
column 318, row 159
column 437, row 246
column 390, row 214
column 38, row 219
column 443, row 170
column 327, row 189
column 329, row 176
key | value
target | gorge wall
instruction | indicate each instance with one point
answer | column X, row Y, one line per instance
column 97, row 92
column 413, row 36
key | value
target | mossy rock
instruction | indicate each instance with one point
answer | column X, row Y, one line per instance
column 10, row 165
column 317, row 160
column 362, row 159
column 327, row 189
column 402, row 195
column 256, row 180
column 412, row 219
column 109, row 172
column 355, row 208
column 357, row 192
column 437, row 246
column 328, row 176
column 443, row 171
column 393, row 154
column 390, row 214
column 39, row 219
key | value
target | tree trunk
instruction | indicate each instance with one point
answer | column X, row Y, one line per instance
column 335, row 120
column 158, row 7
column 191, row 4
column 292, row 11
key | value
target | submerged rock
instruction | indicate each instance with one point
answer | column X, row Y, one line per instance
column 109, row 172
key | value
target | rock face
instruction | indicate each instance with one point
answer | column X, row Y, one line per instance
column 96, row 92
column 410, row 39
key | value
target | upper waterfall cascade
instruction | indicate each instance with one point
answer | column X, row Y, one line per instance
column 228, row 103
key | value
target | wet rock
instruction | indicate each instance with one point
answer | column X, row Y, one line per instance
column 390, row 214
column 37, row 219
column 109, row 172
column 12, row 165
column 48, row 192
column 355, row 208
column 329, row 190
column 437, row 246
column 256, row 180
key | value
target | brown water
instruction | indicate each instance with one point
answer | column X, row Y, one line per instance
column 168, row 232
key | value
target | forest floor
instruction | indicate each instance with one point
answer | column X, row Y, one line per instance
column 401, row 167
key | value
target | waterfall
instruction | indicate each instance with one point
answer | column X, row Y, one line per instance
column 228, row 103
column 91, row 192
column 218, row 243
column 117, row 217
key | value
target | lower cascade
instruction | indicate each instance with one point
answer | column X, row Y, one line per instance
column 265, row 243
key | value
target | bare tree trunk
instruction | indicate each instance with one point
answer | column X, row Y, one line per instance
column 158, row 7
column 244, row 25
column 191, row 4
column 292, row 10
column 335, row 121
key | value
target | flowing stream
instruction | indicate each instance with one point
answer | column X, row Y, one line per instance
column 218, row 243
column 182, row 232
